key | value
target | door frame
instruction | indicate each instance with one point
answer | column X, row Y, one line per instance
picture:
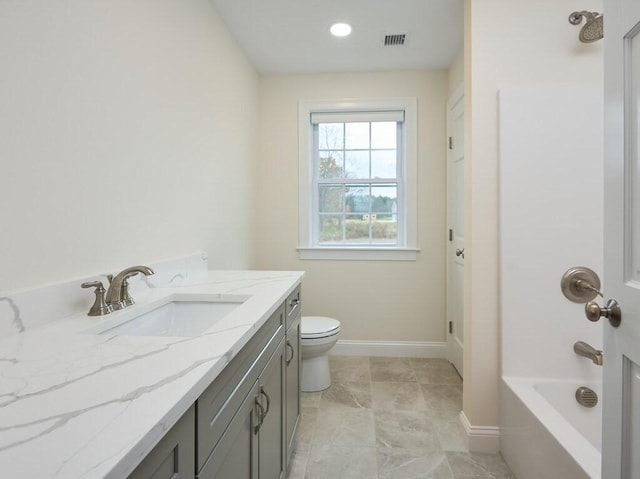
column 455, row 100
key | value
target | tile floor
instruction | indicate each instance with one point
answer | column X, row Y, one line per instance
column 385, row 418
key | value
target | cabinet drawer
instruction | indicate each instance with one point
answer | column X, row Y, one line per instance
column 218, row 404
column 293, row 305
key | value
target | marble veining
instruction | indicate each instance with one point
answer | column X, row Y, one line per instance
column 78, row 405
column 17, row 320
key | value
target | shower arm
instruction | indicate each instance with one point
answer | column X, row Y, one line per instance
column 576, row 17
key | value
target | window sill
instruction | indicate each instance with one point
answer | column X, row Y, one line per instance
column 358, row 254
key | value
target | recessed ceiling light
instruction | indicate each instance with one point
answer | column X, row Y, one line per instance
column 340, row 29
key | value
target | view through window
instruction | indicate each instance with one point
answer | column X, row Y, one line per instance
column 357, row 180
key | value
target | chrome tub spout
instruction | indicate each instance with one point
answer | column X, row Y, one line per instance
column 583, row 349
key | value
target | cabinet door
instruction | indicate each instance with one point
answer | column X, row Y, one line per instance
column 292, row 384
column 218, row 404
column 271, row 431
column 174, row 456
column 236, row 455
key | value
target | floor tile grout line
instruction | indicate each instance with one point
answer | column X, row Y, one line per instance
column 446, row 454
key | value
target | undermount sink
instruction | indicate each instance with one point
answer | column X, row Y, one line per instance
column 185, row 316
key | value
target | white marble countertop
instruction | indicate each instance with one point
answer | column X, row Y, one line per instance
column 77, row 405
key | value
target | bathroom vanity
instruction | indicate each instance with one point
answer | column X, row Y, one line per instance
column 219, row 404
column 244, row 423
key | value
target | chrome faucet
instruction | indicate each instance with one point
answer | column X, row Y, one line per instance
column 118, row 292
column 583, row 349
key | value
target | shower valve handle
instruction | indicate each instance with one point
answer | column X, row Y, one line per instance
column 611, row 310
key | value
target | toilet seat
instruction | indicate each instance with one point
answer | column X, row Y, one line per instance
column 318, row 327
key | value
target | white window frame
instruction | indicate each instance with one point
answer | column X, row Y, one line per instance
column 407, row 247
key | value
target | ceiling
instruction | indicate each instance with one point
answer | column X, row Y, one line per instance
column 292, row 36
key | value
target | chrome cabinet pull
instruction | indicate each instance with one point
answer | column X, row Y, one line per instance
column 293, row 304
column 460, row 252
column 261, row 415
column 266, row 396
column 293, row 352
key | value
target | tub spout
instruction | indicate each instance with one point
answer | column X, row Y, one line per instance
column 583, row 349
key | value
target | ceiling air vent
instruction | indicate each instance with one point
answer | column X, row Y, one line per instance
column 395, row 39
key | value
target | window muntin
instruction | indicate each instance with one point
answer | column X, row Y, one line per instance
column 357, row 182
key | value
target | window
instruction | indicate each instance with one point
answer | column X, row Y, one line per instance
column 358, row 179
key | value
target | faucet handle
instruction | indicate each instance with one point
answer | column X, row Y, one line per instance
column 100, row 306
column 125, row 297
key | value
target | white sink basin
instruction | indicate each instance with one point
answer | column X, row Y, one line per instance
column 183, row 316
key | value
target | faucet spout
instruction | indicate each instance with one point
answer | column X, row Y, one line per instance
column 118, row 294
column 583, row 349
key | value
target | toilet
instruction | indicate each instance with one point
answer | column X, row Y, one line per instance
column 318, row 334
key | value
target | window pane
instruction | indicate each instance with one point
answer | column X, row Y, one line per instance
column 383, row 134
column 384, row 201
column 357, row 164
column 331, row 164
column 357, row 228
column 383, row 164
column 331, row 198
column 357, row 174
column 331, row 228
column 384, row 210
column 357, row 135
column 384, row 231
column 331, row 136
column 357, row 199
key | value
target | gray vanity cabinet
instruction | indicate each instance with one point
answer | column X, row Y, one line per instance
column 174, row 456
column 227, row 435
column 243, row 425
column 292, row 370
column 251, row 446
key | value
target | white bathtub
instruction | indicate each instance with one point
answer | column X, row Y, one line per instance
column 545, row 433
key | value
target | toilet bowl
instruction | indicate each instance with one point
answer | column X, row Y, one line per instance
column 318, row 334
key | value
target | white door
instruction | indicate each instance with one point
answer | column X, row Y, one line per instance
column 621, row 397
column 455, row 214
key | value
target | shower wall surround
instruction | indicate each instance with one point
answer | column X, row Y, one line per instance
column 551, row 219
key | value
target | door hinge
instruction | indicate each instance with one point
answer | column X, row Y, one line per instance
column 450, row 235
column 450, row 327
column 451, row 143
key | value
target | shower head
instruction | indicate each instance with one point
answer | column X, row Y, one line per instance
column 593, row 29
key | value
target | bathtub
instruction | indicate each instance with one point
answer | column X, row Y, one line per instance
column 545, row 433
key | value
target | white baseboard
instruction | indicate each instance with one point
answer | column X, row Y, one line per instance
column 401, row 349
column 484, row 439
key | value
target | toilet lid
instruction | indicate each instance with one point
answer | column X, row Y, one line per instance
column 318, row 326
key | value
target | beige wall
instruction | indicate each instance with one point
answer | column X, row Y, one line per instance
column 508, row 43
column 374, row 300
column 126, row 136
